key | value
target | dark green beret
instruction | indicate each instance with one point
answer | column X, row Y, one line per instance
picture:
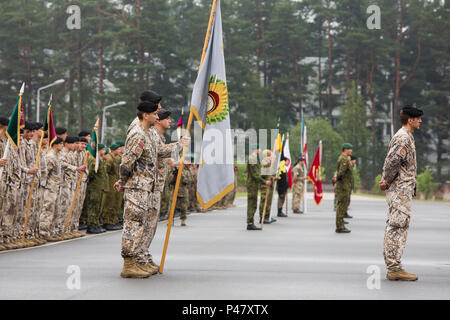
column 114, row 146
column 101, row 146
column 150, row 96
column 120, row 143
column 347, row 146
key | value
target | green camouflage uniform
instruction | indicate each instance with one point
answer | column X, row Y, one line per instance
column 183, row 191
column 93, row 201
column 110, row 195
column 254, row 183
column 343, row 189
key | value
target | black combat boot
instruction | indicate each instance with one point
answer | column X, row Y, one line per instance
column 251, row 226
column 343, row 230
column 281, row 213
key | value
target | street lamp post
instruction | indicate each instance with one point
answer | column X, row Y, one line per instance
column 39, row 94
column 118, row 104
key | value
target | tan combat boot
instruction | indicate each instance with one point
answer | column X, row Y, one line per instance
column 401, row 275
column 150, row 268
column 131, row 270
column 2, row 247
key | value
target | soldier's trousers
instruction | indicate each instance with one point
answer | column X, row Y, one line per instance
column 65, row 201
column 252, row 201
column 9, row 211
column 263, row 199
column 47, row 216
column 182, row 205
column 281, row 200
column 396, row 232
column 297, row 197
column 140, row 213
column 193, row 202
column 109, row 213
column 342, row 202
column 92, row 207
column 145, row 256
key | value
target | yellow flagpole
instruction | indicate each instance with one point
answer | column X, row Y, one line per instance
column 31, row 189
column 174, row 198
column 188, row 128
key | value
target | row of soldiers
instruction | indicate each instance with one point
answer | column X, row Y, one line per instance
column 261, row 178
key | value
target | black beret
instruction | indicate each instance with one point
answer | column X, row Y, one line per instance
column 21, row 131
column 4, row 121
column 84, row 133
column 29, row 125
column 150, row 96
column 45, row 135
column 163, row 114
column 58, row 140
column 38, row 125
column 60, row 130
column 147, row 107
column 70, row 140
column 83, row 140
column 412, row 112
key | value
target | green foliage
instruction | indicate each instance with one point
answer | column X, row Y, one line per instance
column 425, row 183
column 376, row 188
column 356, row 179
column 318, row 129
column 241, row 175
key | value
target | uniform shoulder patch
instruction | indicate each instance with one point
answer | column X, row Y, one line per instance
column 141, row 144
column 402, row 152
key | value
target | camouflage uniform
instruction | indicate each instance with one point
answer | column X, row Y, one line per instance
column 49, row 216
column 27, row 159
column 68, row 186
column 266, row 191
column 138, row 177
column 166, row 195
column 82, row 215
column 343, row 189
column 40, row 188
column 298, row 173
column 194, row 205
column 183, row 190
column 13, row 195
column 254, row 183
column 93, row 201
column 399, row 172
column 3, row 141
column 110, row 206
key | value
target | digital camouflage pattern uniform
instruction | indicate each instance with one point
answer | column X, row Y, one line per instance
column 254, row 183
column 68, row 186
column 93, row 201
column 111, row 197
column 399, row 172
column 194, row 205
column 183, row 190
column 298, row 173
column 344, row 177
column 138, row 176
column 48, row 217
column 3, row 181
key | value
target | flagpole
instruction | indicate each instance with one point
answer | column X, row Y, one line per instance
column 76, row 193
column 174, row 197
column 208, row 33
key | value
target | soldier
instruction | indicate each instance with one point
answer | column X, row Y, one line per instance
column 344, row 176
column 94, row 192
column 137, row 178
column 61, row 133
column 166, row 196
column 194, row 205
column 282, row 187
column 3, row 141
column 111, row 203
column 254, row 183
column 184, row 190
column 86, row 135
column 298, row 179
column 78, row 209
column 48, row 218
column 266, row 163
column 399, row 181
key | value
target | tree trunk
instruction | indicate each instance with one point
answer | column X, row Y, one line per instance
column 330, row 69
column 100, row 71
column 320, row 71
column 80, row 87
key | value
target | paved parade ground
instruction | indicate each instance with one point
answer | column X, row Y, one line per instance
column 215, row 257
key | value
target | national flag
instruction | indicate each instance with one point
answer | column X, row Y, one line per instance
column 92, row 147
column 209, row 104
column 282, row 180
column 314, row 175
column 49, row 126
column 16, row 121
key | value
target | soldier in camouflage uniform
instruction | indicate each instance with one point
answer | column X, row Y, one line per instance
column 266, row 163
column 137, row 178
column 182, row 203
column 298, row 179
column 82, row 158
column 344, row 177
column 399, row 181
column 48, row 217
column 111, row 203
column 194, row 205
column 254, row 183
column 3, row 141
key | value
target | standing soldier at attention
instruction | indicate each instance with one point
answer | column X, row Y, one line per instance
column 184, row 190
column 137, row 177
column 110, row 202
column 266, row 163
column 3, row 141
column 399, row 181
column 344, row 178
column 298, row 180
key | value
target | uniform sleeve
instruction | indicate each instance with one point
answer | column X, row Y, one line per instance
column 165, row 150
column 66, row 163
column 394, row 159
column 22, row 160
column 134, row 148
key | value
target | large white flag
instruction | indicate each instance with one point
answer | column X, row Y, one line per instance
column 210, row 106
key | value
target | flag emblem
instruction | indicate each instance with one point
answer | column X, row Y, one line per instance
column 217, row 109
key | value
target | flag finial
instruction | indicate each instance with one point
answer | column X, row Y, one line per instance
column 22, row 89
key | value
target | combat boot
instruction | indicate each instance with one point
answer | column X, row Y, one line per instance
column 298, row 211
column 347, row 216
column 132, row 270
column 343, row 230
column 149, row 268
column 281, row 213
column 401, row 275
column 80, row 234
column 251, row 226
column 154, row 264
column 183, row 222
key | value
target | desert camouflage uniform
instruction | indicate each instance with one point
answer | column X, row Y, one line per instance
column 3, row 180
column 40, row 188
column 298, row 173
column 399, row 172
column 27, row 159
column 48, row 218
column 138, row 176
column 13, row 200
column 68, row 185
column 344, row 177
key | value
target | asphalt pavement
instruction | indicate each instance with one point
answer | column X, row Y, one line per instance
column 215, row 257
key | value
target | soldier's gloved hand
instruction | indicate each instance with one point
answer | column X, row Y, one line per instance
column 383, row 185
column 118, row 186
column 32, row 171
column 184, row 141
column 2, row 162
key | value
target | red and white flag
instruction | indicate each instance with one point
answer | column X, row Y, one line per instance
column 314, row 175
column 288, row 161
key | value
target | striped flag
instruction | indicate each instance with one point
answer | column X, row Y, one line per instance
column 209, row 104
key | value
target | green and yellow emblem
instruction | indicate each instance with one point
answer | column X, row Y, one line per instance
column 217, row 101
